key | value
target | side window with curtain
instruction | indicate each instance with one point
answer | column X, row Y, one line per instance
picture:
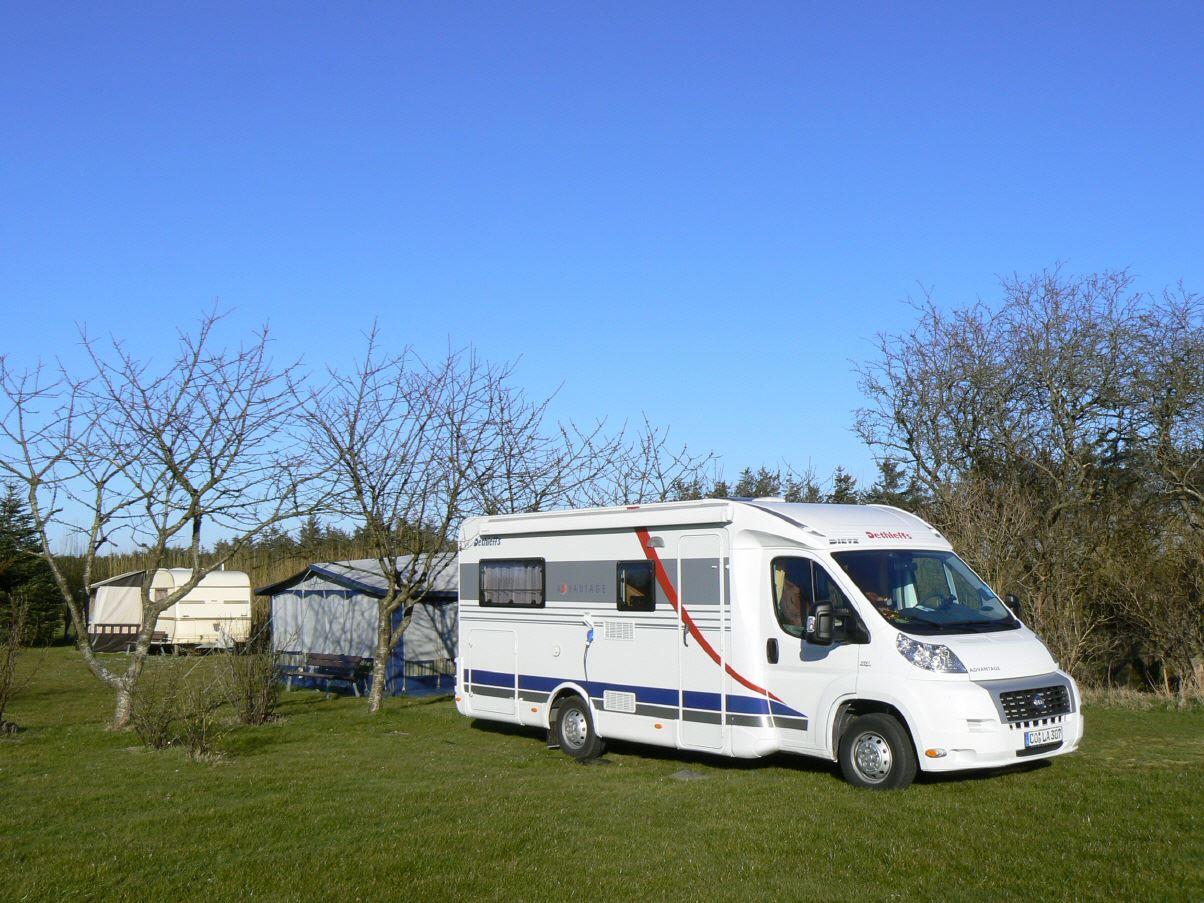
column 792, row 593
column 517, row 582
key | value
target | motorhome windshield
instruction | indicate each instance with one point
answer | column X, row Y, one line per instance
column 926, row 592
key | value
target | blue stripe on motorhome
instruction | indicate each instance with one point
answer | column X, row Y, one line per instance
column 693, row 699
column 780, row 708
column 743, row 705
column 491, row 678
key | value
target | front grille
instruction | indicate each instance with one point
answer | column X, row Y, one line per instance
column 1029, row 705
column 1035, row 723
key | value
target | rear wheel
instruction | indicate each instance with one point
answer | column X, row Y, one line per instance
column 575, row 730
column 876, row 753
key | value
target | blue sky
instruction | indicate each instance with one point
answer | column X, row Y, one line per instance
column 698, row 211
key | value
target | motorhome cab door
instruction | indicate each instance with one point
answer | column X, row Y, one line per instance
column 807, row 677
column 701, row 616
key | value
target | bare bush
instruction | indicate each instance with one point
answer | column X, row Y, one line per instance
column 175, row 705
column 155, row 709
column 1058, row 438
column 251, row 685
column 13, row 626
column 198, row 727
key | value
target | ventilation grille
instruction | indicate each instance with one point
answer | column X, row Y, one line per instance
column 614, row 701
column 624, row 631
column 1038, row 722
column 1030, row 705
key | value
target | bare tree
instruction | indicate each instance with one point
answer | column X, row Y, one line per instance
column 413, row 447
column 126, row 455
column 641, row 467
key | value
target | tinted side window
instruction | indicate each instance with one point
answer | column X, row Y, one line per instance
column 517, row 582
column 637, row 586
column 792, row 592
column 826, row 590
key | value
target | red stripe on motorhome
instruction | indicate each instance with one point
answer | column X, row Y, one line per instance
column 662, row 577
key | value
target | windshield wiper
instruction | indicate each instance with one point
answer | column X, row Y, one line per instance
column 980, row 626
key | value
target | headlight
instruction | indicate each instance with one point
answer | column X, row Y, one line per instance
column 929, row 656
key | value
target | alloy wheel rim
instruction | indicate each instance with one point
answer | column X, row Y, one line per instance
column 872, row 757
column 575, row 728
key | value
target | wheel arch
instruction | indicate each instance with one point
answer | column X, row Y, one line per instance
column 848, row 709
column 555, row 699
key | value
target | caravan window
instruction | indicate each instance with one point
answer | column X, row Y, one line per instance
column 637, row 586
column 517, row 582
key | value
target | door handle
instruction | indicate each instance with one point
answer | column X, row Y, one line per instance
column 685, row 634
column 771, row 650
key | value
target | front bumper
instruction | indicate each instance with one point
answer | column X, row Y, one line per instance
column 968, row 727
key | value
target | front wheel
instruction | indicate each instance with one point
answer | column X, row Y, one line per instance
column 575, row 730
column 876, row 753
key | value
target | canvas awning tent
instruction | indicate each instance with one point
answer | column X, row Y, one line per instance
column 217, row 611
column 330, row 608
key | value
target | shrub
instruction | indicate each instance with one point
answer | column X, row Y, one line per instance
column 198, row 727
column 155, row 708
column 251, row 686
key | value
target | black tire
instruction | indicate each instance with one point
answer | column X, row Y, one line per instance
column 575, row 732
column 876, row 753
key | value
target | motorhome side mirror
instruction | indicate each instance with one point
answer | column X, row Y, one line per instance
column 819, row 626
column 1013, row 603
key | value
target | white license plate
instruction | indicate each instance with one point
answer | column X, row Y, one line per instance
column 1043, row 736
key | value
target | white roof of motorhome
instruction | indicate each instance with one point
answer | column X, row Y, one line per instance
column 820, row 521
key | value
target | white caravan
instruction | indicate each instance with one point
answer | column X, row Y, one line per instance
column 749, row 627
column 216, row 612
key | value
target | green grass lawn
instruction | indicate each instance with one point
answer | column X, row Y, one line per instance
column 331, row 803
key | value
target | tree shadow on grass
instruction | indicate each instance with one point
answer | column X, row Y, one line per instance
column 410, row 702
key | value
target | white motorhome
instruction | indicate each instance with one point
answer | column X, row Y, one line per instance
column 749, row 627
column 216, row 612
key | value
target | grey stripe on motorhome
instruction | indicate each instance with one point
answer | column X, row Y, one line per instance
column 486, row 690
column 595, row 581
column 794, row 724
column 749, row 720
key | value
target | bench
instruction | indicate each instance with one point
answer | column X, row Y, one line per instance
column 120, row 637
column 347, row 669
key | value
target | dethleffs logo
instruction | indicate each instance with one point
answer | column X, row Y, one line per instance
column 887, row 534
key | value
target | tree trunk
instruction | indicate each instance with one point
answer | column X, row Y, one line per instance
column 380, row 663
column 124, row 710
column 126, row 683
